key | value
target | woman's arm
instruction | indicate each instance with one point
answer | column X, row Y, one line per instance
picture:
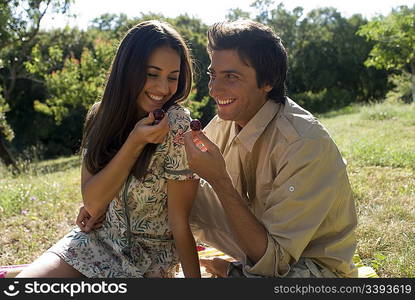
column 99, row 189
column 181, row 195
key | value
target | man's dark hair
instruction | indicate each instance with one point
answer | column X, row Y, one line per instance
column 259, row 47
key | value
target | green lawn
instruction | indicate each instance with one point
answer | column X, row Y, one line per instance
column 378, row 142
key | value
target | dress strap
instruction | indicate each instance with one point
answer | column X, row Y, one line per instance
column 127, row 250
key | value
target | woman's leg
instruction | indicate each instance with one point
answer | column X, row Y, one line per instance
column 49, row 265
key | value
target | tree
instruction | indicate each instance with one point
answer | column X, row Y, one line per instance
column 325, row 56
column 394, row 38
column 79, row 83
column 236, row 14
column 6, row 131
column 20, row 24
column 194, row 32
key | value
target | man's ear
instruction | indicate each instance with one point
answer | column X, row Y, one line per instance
column 267, row 88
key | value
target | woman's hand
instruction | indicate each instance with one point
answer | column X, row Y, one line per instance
column 87, row 223
column 145, row 132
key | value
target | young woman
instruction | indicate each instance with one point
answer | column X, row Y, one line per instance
column 135, row 171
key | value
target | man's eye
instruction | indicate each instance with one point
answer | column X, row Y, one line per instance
column 173, row 78
column 151, row 75
column 231, row 76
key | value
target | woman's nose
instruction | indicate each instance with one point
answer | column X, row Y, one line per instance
column 163, row 86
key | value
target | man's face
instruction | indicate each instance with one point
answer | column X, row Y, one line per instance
column 233, row 86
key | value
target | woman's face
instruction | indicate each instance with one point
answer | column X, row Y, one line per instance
column 163, row 71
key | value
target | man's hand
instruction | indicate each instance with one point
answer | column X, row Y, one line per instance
column 218, row 267
column 87, row 223
column 208, row 164
column 249, row 233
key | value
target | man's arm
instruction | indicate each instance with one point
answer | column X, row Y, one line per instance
column 250, row 234
column 309, row 209
column 310, row 200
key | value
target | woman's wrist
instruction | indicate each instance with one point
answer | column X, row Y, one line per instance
column 134, row 147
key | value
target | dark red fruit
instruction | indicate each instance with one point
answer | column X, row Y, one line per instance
column 200, row 248
column 158, row 115
column 195, row 125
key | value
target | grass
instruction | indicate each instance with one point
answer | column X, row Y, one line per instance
column 378, row 141
column 377, row 135
column 37, row 208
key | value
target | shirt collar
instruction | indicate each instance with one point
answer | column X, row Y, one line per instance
column 250, row 133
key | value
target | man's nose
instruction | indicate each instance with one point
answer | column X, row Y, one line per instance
column 215, row 87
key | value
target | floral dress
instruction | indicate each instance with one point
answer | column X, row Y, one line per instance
column 135, row 239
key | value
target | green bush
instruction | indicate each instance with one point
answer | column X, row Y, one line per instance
column 402, row 91
column 324, row 100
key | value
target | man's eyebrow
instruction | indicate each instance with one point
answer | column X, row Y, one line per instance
column 159, row 69
column 211, row 70
column 231, row 72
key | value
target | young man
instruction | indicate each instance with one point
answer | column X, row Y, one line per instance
column 276, row 196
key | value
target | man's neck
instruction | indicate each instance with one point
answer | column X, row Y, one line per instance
column 238, row 127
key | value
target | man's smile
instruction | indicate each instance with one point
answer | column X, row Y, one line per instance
column 225, row 101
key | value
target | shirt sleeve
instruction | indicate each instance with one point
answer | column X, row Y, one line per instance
column 310, row 174
column 175, row 163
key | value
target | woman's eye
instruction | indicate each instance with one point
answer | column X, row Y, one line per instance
column 151, row 75
column 173, row 78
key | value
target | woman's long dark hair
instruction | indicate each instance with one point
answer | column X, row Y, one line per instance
column 109, row 122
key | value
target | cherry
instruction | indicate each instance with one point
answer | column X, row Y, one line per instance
column 158, row 115
column 200, row 248
column 195, row 125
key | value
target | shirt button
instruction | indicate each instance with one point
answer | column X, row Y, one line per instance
column 291, row 189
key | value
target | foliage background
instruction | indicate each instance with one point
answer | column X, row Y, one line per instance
column 356, row 75
column 49, row 79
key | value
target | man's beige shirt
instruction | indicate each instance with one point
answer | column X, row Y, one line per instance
column 287, row 168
